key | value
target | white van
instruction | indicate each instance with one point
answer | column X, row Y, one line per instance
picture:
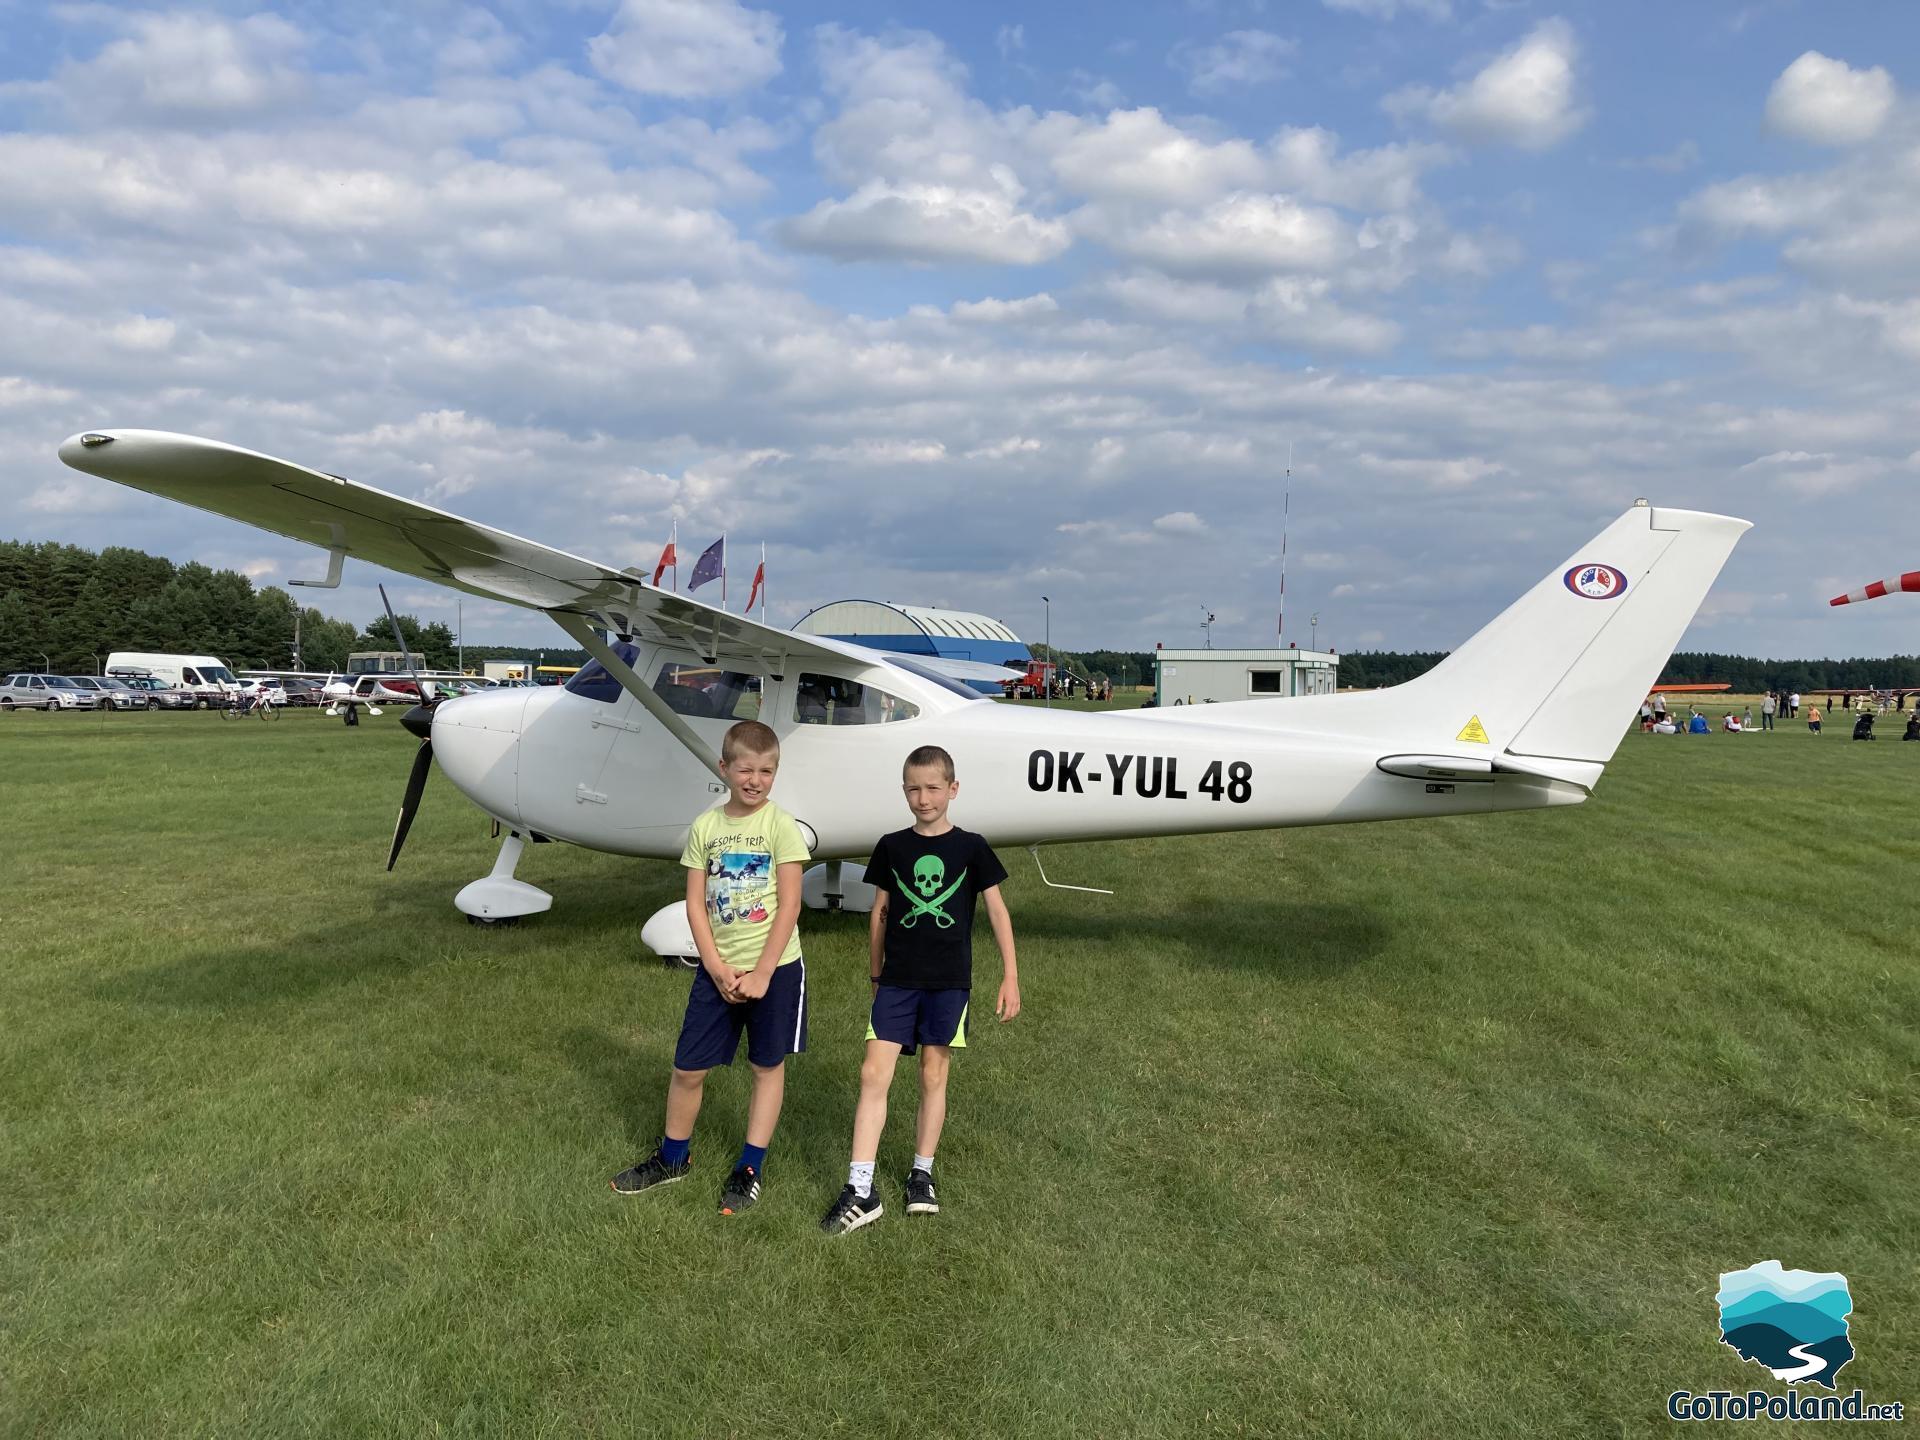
column 205, row 677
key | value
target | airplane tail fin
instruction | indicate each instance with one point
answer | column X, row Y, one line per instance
column 1560, row 673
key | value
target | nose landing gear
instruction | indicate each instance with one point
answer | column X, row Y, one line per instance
column 499, row 898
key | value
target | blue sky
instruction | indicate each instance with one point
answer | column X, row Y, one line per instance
column 963, row 309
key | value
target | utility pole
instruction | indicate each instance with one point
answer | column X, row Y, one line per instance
column 1313, row 631
column 1052, row 665
column 460, row 635
column 1206, row 625
column 296, row 639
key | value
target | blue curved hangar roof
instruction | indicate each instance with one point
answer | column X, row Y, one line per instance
column 918, row 630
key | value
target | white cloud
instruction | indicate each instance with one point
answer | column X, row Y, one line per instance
column 1236, row 60
column 1307, row 160
column 1138, row 155
column 928, row 223
column 1241, row 235
column 1180, row 522
column 688, row 48
column 1525, row 97
column 1009, row 40
column 188, row 68
column 1828, row 102
column 1006, row 312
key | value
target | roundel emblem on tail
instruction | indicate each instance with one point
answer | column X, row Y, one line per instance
column 1596, row 582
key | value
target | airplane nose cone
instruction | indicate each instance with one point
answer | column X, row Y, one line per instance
column 419, row 721
column 475, row 744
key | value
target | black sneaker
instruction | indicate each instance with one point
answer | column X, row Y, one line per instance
column 652, row 1171
column 920, row 1197
column 851, row 1211
column 742, row 1190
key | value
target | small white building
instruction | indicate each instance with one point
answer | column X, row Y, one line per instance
column 1195, row 677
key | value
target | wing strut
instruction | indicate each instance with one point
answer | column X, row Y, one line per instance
column 580, row 630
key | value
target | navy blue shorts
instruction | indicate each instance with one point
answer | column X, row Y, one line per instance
column 776, row 1023
column 909, row 1018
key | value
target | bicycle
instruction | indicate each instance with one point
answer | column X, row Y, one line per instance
column 242, row 705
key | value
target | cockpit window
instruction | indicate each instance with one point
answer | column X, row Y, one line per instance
column 593, row 681
column 708, row 692
column 830, row 700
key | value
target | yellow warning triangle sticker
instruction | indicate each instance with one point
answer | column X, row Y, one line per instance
column 1474, row 732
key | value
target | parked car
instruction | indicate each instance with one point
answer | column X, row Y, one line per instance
column 44, row 692
column 154, row 692
column 300, row 691
column 109, row 693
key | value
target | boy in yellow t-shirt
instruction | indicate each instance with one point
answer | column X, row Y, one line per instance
column 744, row 860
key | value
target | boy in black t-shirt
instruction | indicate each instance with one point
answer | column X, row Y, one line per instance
column 920, row 946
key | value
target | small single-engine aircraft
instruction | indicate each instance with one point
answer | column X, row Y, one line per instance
column 1524, row 715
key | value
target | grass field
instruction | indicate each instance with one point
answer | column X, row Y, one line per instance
column 1429, row 1129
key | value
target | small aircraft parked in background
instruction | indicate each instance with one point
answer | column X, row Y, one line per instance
column 1523, row 715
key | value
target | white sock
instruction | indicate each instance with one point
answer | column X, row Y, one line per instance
column 923, row 1162
column 860, row 1177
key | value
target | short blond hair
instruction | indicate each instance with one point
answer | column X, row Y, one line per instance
column 753, row 738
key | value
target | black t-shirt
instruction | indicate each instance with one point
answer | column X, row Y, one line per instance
column 931, row 883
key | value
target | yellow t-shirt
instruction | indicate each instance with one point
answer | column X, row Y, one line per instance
column 741, row 858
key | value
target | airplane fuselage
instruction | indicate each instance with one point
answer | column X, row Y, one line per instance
column 600, row 772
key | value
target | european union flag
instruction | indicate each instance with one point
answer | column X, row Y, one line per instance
column 712, row 563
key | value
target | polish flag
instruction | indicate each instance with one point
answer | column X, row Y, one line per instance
column 667, row 557
column 759, row 578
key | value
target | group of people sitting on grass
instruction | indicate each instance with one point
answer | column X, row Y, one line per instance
column 1656, row 719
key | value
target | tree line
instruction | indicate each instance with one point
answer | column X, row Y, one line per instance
column 64, row 609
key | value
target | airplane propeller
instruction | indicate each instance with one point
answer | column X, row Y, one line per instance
column 418, row 721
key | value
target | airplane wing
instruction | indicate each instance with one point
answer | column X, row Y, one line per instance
column 342, row 515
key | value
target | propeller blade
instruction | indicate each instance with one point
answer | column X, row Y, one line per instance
column 410, row 802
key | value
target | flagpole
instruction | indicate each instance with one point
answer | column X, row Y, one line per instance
column 673, row 544
column 723, row 569
column 763, row 582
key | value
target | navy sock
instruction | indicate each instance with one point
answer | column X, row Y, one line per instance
column 754, row 1155
column 674, row 1152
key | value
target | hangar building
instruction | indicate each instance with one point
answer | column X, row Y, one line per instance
column 1194, row 677
column 916, row 630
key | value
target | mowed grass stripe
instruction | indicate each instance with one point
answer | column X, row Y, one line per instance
column 1437, row 1128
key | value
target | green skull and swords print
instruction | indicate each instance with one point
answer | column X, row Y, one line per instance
column 928, row 891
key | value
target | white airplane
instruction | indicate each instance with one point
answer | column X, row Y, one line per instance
column 1524, row 715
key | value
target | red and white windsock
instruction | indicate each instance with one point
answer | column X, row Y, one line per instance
column 1910, row 582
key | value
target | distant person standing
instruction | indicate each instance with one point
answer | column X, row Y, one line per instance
column 1659, row 708
column 1767, row 707
column 1646, row 715
column 1793, row 706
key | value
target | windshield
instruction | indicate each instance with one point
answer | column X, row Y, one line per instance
column 217, row 675
column 945, row 682
column 60, row 682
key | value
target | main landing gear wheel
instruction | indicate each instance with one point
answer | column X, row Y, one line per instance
column 493, row 922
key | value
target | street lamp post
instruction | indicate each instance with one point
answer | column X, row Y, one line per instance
column 46, row 660
column 1313, row 631
column 1044, row 600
